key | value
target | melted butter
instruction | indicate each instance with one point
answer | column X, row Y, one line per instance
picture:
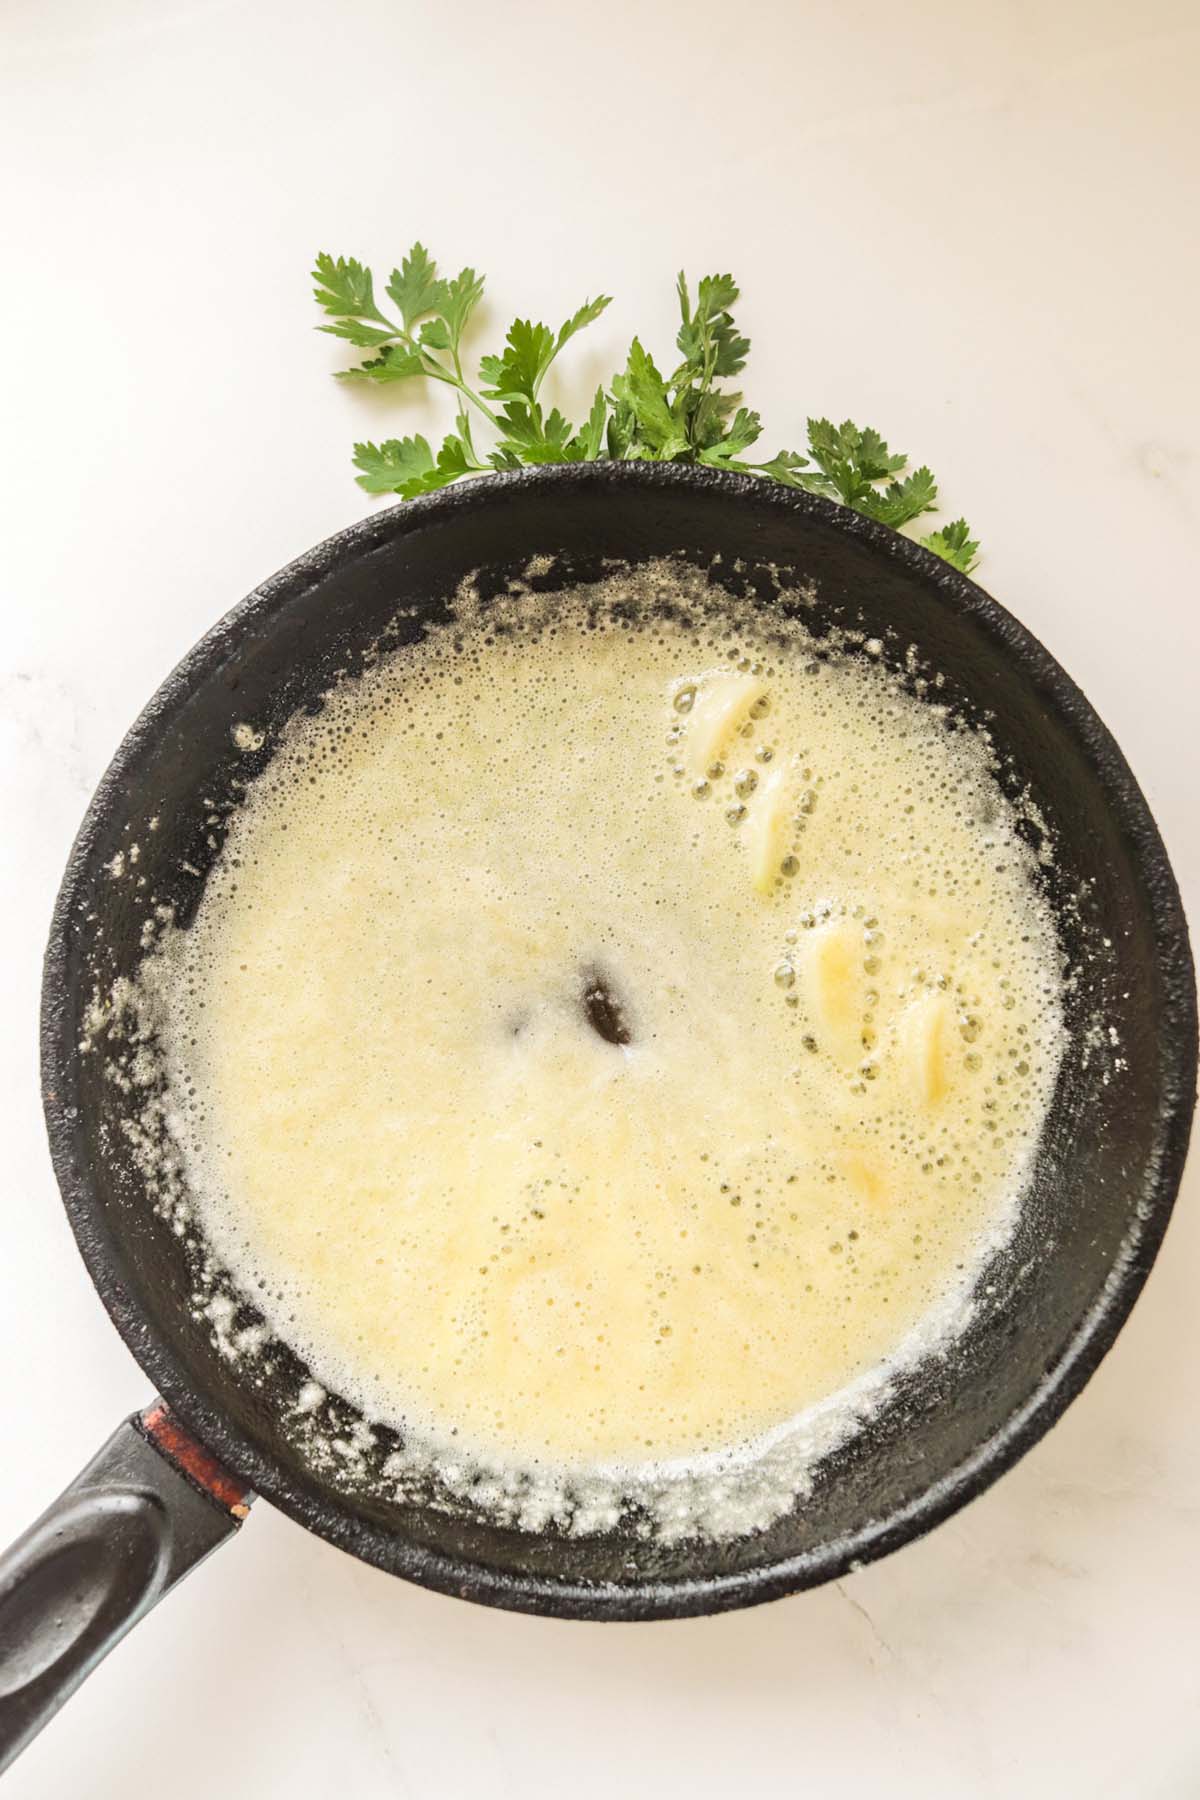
column 478, row 1215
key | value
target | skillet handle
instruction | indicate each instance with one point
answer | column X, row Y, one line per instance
column 147, row 1509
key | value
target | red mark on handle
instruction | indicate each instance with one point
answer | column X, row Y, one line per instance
column 200, row 1465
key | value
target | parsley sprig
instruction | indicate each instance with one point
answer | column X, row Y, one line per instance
column 639, row 415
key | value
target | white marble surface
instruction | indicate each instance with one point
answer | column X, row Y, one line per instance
column 973, row 224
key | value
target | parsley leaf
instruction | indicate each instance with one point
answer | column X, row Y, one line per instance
column 588, row 313
column 643, row 392
column 711, row 345
column 901, row 501
column 745, row 430
column 955, row 545
column 639, row 414
column 784, row 468
column 532, row 439
column 415, row 287
column 407, row 466
column 394, row 363
column 458, row 301
column 588, row 444
column 528, row 352
column 355, row 332
column 344, row 288
column 392, row 467
column 851, row 462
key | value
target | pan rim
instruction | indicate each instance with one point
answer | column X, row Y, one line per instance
column 1088, row 1343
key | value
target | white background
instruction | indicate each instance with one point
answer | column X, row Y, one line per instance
column 970, row 222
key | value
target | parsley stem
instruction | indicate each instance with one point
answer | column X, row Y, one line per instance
column 484, row 408
column 455, row 379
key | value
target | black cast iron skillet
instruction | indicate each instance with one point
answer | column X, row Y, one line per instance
column 175, row 1481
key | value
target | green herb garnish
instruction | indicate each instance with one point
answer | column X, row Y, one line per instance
column 641, row 414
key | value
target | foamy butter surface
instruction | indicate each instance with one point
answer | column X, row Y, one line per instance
column 601, row 1045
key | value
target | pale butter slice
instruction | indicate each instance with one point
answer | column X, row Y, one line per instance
column 721, row 707
column 864, row 1176
column 923, row 1036
column 766, row 828
column 831, row 966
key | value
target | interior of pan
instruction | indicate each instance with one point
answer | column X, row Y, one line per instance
column 1107, row 1168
